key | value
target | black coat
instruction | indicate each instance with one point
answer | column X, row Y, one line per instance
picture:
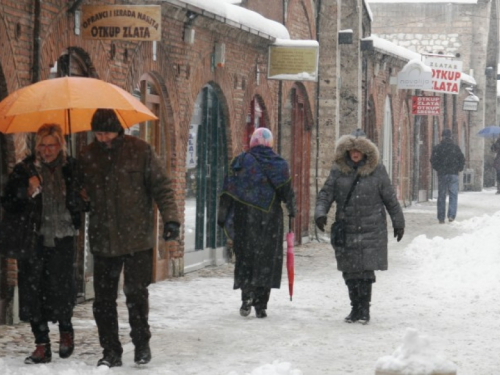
column 51, row 298
column 447, row 158
column 15, row 200
column 365, row 214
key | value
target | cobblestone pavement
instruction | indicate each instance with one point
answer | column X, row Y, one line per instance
column 17, row 340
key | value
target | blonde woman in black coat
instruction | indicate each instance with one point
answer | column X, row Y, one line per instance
column 357, row 166
column 47, row 186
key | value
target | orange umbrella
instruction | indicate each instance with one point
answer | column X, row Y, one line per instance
column 69, row 102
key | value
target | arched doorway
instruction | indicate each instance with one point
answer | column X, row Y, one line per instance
column 296, row 148
column 206, row 165
column 255, row 118
column 152, row 93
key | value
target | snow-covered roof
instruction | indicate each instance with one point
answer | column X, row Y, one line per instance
column 226, row 12
column 391, row 48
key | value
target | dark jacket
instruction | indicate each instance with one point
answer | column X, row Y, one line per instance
column 19, row 206
column 447, row 158
column 122, row 183
column 495, row 147
column 39, row 298
column 365, row 214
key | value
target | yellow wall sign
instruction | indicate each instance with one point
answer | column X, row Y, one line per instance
column 293, row 63
column 121, row 22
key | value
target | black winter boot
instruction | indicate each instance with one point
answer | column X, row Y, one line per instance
column 110, row 359
column 247, row 298
column 142, row 354
column 66, row 344
column 352, row 286
column 365, row 296
column 42, row 354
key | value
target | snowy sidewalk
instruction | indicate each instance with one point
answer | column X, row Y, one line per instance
column 442, row 280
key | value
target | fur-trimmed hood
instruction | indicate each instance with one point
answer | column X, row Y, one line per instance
column 362, row 144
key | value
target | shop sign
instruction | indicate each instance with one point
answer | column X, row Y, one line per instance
column 121, row 22
column 191, row 157
column 294, row 63
column 470, row 105
column 446, row 74
column 426, row 105
column 415, row 76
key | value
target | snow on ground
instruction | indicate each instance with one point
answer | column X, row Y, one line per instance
column 442, row 286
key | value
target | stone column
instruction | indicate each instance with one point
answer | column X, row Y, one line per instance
column 351, row 98
column 326, row 132
column 480, row 29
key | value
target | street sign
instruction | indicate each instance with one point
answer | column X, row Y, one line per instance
column 426, row 105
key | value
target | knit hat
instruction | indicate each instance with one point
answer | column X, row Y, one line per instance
column 358, row 133
column 446, row 133
column 106, row 120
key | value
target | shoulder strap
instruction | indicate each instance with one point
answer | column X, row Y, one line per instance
column 350, row 192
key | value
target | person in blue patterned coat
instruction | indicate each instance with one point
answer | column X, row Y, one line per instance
column 250, row 211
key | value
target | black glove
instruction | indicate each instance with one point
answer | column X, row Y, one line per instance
column 398, row 233
column 321, row 222
column 171, row 231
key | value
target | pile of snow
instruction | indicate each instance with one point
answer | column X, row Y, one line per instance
column 415, row 357
column 276, row 368
column 462, row 264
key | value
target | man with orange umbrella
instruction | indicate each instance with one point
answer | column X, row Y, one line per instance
column 124, row 177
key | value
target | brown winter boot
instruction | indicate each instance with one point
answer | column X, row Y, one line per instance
column 66, row 344
column 42, row 354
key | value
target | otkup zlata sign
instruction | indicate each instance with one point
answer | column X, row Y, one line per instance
column 122, row 22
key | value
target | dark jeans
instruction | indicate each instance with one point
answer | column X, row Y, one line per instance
column 137, row 271
column 47, row 288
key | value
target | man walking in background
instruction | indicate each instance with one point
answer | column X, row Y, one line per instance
column 124, row 178
column 447, row 159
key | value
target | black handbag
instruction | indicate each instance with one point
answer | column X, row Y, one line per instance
column 337, row 230
column 337, row 233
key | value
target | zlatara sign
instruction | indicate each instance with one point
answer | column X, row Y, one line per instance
column 446, row 74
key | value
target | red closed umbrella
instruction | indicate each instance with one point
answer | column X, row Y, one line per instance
column 290, row 240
